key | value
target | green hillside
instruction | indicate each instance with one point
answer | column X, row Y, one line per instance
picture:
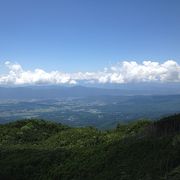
column 142, row 150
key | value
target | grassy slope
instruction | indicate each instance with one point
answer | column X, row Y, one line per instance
column 36, row 149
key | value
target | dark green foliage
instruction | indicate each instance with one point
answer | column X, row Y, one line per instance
column 37, row 149
column 133, row 128
column 168, row 125
column 28, row 131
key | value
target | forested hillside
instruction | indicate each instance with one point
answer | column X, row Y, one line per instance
column 142, row 150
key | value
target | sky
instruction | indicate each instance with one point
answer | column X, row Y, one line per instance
column 89, row 36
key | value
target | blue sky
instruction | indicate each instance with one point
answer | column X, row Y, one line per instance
column 88, row 35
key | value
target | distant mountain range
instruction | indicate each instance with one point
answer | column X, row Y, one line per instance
column 50, row 92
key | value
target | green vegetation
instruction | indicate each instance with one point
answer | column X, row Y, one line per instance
column 141, row 150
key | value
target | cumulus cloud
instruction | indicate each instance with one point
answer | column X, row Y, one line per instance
column 124, row 72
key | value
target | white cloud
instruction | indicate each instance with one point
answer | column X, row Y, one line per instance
column 125, row 72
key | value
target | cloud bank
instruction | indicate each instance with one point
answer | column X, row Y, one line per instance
column 124, row 72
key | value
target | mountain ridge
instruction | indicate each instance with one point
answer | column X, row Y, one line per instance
column 44, row 92
column 38, row 149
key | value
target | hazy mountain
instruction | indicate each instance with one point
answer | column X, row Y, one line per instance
column 48, row 92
